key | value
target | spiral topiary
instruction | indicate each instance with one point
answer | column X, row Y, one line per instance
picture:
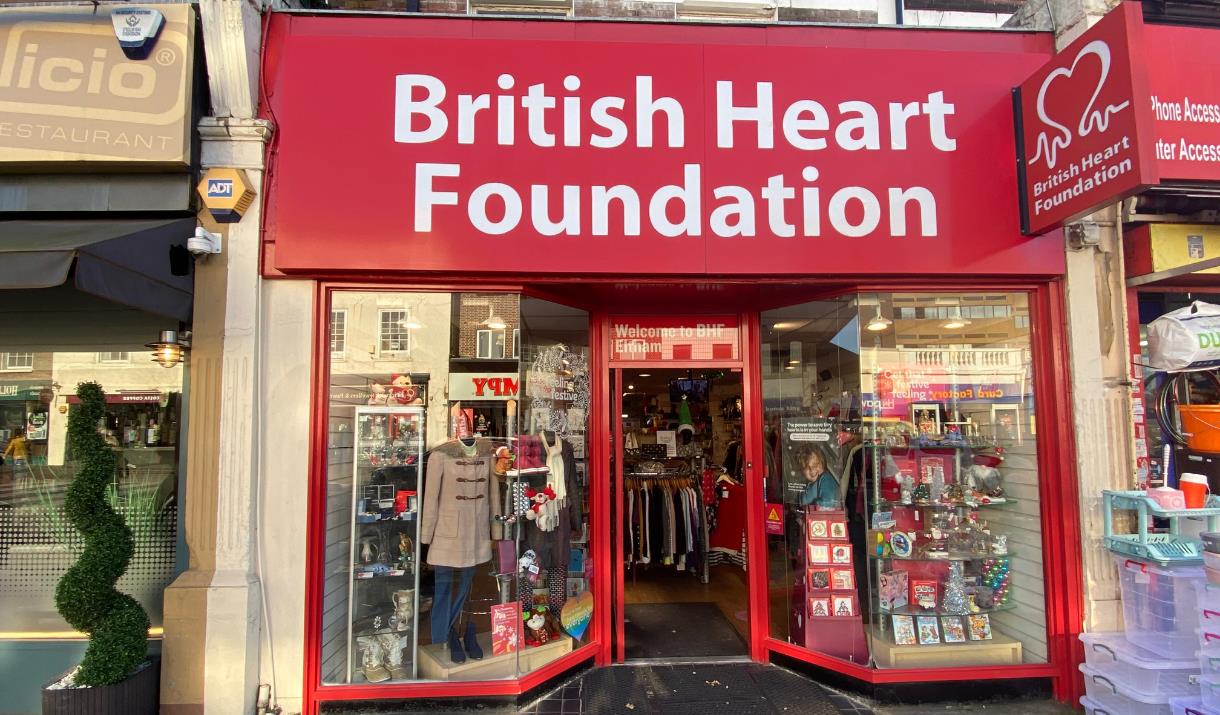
column 86, row 596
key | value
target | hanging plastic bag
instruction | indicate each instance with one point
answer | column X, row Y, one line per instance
column 1186, row 339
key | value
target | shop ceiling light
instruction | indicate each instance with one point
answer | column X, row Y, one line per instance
column 171, row 349
column 645, row 374
column 878, row 322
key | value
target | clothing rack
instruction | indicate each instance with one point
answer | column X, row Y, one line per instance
column 674, row 479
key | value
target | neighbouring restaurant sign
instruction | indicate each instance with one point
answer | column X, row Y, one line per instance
column 69, row 93
column 644, row 149
column 1123, row 107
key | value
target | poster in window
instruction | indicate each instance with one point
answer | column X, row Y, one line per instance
column 809, row 451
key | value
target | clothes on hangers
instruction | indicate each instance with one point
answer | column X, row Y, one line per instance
column 664, row 518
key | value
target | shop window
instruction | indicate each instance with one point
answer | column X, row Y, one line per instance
column 491, row 344
column 338, row 333
column 78, row 338
column 516, row 342
column 394, row 337
column 16, row 362
column 437, row 565
column 908, row 477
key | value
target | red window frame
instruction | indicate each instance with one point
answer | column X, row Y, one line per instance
column 1056, row 463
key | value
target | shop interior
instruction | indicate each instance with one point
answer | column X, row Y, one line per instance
column 684, row 514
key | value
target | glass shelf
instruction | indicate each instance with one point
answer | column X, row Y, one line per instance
column 912, row 610
column 1008, row 501
column 946, row 558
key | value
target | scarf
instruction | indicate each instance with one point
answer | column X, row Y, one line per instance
column 554, row 462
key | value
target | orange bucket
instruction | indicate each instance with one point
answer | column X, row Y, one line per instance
column 1201, row 427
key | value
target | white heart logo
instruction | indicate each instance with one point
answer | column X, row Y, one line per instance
column 1090, row 120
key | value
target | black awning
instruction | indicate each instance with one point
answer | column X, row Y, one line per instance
column 126, row 262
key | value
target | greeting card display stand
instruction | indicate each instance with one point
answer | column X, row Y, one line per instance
column 828, row 617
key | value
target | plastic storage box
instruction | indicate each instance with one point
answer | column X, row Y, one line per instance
column 1207, row 595
column 1112, row 656
column 1160, row 606
column 1116, row 698
column 1209, row 688
column 1187, row 706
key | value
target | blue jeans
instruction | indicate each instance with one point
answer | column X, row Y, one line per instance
column 452, row 588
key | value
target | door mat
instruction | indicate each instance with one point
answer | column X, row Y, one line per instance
column 679, row 630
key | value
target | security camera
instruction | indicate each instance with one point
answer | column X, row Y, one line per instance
column 204, row 243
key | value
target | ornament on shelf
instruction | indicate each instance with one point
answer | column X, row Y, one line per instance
column 923, row 491
column 996, row 576
column 954, row 601
column 906, row 489
column 999, row 546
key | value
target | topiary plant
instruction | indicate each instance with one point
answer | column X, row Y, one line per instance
column 86, row 597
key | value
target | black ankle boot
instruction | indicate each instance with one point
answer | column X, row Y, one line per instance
column 456, row 654
column 472, row 643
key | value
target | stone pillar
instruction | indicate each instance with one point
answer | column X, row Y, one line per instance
column 212, row 611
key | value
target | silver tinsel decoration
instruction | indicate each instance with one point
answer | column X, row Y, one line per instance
column 954, row 602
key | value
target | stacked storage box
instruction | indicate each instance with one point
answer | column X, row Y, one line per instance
column 1139, row 671
column 1207, row 595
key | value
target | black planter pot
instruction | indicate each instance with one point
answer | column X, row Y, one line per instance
column 138, row 695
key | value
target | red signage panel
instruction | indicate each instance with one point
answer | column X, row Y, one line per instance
column 497, row 146
column 708, row 338
column 1184, row 96
column 1084, row 129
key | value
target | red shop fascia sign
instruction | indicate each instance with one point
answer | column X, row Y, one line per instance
column 503, row 147
column 1124, row 107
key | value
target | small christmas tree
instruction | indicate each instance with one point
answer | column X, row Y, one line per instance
column 954, row 601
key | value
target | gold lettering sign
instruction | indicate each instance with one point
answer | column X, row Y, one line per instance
column 68, row 93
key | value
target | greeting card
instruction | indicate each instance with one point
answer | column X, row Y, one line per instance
column 842, row 579
column 818, row 528
column 844, row 606
column 819, row 607
column 893, row 590
column 980, row 627
column 929, row 629
column 838, row 530
column 951, row 626
column 819, row 553
column 904, row 630
column 819, row 578
column 505, row 627
column 840, row 554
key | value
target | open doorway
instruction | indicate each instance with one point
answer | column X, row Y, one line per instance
column 683, row 521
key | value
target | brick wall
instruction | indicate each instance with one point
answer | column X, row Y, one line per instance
column 472, row 310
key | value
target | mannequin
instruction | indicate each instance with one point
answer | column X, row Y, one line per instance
column 455, row 520
column 553, row 546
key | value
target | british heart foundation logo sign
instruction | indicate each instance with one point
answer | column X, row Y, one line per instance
column 1080, row 126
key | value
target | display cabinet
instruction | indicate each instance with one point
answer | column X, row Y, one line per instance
column 383, row 591
column 938, row 570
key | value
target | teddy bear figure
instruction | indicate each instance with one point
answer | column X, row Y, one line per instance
column 543, row 508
